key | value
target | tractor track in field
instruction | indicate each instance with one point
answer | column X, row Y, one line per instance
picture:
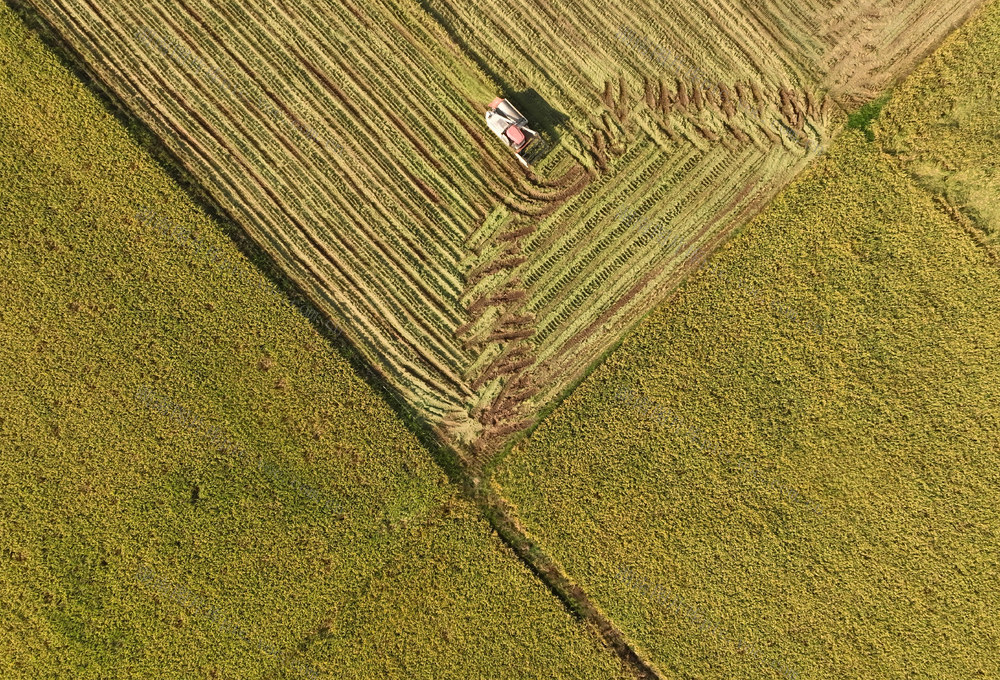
column 502, row 516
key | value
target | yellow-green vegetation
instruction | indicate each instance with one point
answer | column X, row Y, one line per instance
column 193, row 482
column 348, row 140
column 944, row 125
column 791, row 468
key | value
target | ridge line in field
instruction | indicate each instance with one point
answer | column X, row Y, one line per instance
column 951, row 211
column 494, row 508
column 500, row 513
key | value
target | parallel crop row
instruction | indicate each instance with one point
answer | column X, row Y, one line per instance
column 332, row 136
column 347, row 138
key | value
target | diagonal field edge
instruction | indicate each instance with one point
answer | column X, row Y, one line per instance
column 494, row 507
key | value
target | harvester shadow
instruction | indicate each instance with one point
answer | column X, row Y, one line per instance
column 542, row 118
column 540, row 114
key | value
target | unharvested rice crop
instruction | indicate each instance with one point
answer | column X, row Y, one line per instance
column 347, row 138
column 193, row 484
column 790, row 470
column 944, row 126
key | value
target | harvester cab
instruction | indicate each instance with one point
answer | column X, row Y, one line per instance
column 510, row 126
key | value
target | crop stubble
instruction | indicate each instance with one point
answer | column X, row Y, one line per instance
column 479, row 289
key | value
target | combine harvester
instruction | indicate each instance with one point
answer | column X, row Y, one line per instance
column 510, row 126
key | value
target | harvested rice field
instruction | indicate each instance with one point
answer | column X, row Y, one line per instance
column 525, row 339
column 347, row 140
column 193, row 482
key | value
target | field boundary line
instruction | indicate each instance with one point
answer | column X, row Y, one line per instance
column 501, row 515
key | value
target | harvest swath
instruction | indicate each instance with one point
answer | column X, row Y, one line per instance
column 348, row 139
column 136, row 542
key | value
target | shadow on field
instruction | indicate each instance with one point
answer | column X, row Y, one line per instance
column 540, row 114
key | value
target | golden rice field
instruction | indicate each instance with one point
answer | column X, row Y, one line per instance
column 193, row 482
column 944, row 127
column 790, row 469
column 347, row 139
column 782, row 464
